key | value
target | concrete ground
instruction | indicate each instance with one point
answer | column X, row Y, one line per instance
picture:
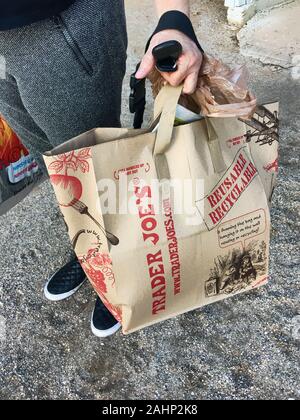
column 273, row 36
column 243, row 348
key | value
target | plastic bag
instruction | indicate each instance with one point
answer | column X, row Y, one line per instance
column 221, row 92
column 19, row 171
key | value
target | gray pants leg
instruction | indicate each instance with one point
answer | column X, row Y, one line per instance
column 64, row 74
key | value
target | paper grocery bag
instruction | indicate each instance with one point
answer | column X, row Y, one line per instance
column 148, row 257
column 19, row 171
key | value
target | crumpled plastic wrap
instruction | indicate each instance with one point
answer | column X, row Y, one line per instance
column 222, row 92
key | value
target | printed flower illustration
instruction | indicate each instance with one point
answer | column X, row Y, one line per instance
column 93, row 265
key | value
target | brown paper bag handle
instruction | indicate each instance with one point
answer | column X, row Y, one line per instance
column 165, row 113
column 215, row 147
column 165, row 107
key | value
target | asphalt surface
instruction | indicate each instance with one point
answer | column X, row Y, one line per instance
column 243, row 348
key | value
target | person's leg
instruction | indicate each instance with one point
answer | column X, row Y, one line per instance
column 70, row 278
column 14, row 112
column 68, row 71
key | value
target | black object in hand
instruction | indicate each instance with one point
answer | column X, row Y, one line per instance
column 166, row 56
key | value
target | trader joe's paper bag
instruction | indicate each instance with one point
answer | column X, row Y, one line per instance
column 147, row 262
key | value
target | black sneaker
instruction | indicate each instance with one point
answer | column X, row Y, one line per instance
column 103, row 324
column 65, row 282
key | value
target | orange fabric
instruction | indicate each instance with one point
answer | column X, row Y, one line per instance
column 11, row 148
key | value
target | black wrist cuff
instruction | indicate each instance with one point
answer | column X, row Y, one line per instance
column 178, row 21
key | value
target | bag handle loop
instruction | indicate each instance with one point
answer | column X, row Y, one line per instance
column 215, row 147
column 165, row 113
column 165, row 107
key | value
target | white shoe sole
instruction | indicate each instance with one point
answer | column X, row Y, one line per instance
column 63, row 296
column 105, row 333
